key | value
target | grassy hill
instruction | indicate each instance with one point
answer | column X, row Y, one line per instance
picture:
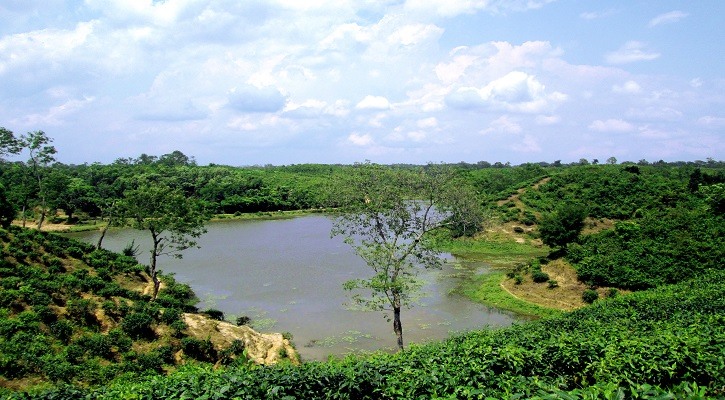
column 72, row 314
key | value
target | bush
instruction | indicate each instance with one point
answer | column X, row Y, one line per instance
column 553, row 284
column 243, row 320
column 170, row 315
column 518, row 279
column 215, row 314
column 201, row 350
column 590, row 296
column 138, row 325
column 539, row 276
column 62, row 330
column 82, row 311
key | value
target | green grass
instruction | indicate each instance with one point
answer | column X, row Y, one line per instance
column 486, row 289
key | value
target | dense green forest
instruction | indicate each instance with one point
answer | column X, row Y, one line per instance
column 657, row 229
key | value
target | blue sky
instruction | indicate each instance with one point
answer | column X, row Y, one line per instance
column 393, row 81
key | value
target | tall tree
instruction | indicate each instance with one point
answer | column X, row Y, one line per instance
column 386, row 216
column 41, row 154
column 173, row 220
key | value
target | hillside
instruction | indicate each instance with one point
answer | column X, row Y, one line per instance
column 71, row 313
column 659, row 344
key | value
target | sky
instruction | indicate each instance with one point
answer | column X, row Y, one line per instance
column 252, row 82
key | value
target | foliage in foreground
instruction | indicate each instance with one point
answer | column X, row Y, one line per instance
column 70, row 313
column 664, row 343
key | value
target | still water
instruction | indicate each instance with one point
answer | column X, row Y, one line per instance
column 287, row 275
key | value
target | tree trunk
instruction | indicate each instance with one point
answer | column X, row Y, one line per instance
column 152, row 267
column 103, row 234
column 397, row 325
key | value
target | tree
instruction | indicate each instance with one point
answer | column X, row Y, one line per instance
column 612, row 160
column 7, row 210
column 562, row 226
column 42, row 154
column 8, row 143
column 173, row 220
column 387, row 216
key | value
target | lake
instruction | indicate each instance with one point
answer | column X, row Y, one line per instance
column 287, row 275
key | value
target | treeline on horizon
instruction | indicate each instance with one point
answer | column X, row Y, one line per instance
column 88, row 189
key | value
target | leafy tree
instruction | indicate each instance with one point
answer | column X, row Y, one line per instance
column 41, row 154
column 173, row 220
column 386, row 217
column 8, row 143
column 562, row 226
column 7, row 210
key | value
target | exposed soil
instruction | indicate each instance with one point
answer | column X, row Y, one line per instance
column 568, row 295
column 261, row 348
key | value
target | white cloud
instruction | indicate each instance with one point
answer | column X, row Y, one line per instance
column 452, row 8
column 56, row 115
column 631, row 51
column 373, row 103
column 528, row 144
column 503, row 124
column 431, row 122
column 360, row 140
column 247, row 98
column 629, row 87
column 597, row 14
column 547, row 119
column 611, row 125
column 516, row 92
column 667, row 18
column 711, row 121
column 696, row 83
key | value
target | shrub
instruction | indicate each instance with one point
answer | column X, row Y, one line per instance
column 518, row 279
column 539, row 276
column 201, row 350
column 122, row 342
column 178, row 326
column 243, row 320
column 170, row 315
column 215, row 314
column 97, row 345
column 138, row 325
column 590, row 296
column 62, row 330
column 82, row 311
column 553, row 284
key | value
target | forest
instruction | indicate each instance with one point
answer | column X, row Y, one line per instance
column 651, row 234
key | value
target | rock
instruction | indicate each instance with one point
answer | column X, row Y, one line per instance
column 262, row 348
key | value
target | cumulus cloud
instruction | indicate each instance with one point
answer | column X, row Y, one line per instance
column 629, row 87
column 431, row 122
column 503, row 124
column 253, row 99
column 667, row 18
column 631, row 51
column 452, row 8
column 516, row 92
column 611, row 125
column 360, row 140
column 373, row 103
